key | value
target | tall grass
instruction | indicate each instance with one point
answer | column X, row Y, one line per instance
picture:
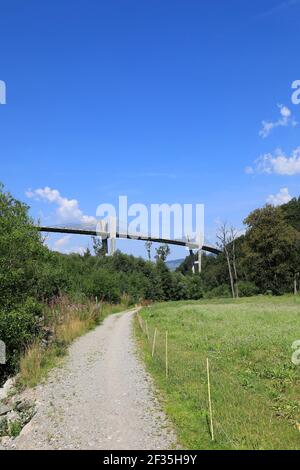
column 36, row 363
column 65, row 321
column 30, row 364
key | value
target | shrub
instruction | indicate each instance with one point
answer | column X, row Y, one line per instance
column 247, row 289
column 220, row 291
column 195, row 289
column 102, row 284
column 18, row 328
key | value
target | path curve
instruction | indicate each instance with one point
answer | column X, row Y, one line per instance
column 101, row 398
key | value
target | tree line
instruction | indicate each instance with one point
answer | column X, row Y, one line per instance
column 264, row 259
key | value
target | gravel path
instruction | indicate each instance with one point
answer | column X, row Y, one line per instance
column 101, row 398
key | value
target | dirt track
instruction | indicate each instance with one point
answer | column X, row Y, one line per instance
column 101, row 398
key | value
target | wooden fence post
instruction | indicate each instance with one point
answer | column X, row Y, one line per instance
column 167, row 358
column 140, row 322
column 209, row 401
column 154, row 341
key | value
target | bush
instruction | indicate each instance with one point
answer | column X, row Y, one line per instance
column 220, row 291
column 18, row 329
column 247, row 289
column 102, row 284
column 195, row 289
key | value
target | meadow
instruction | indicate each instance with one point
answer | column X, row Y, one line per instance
column 255, row 387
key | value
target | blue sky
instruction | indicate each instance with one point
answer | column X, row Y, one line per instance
column 161, row 100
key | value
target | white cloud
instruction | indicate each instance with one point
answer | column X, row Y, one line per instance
column 80, row 250
column 283, row 197
column 68, row 209
column 249, row 170
column 279, row 163
column 62, row 242
column 67, row 244
column 278, row 9
column 285, row 120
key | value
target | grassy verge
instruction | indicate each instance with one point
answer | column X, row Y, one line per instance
column 254, row 384
column 66, row 322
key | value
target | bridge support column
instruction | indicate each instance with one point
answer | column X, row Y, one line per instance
column 105, row 245
column 113, row 246
column 193, row 261
column 200, row 261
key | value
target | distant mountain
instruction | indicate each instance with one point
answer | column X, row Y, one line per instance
column 173, row 264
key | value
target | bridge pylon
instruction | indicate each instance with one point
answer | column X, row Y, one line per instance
column 191, row 246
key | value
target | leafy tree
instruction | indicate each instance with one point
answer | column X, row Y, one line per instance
column 148, row 246
column 163, row 252
column 165, row 277
column 186, row 266
column 226, row 241
column 99, row 247
column 87, row 253
column 269, row 250
column 21, row 252
column 291, row 212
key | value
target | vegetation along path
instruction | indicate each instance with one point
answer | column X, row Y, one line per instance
column 101, row 398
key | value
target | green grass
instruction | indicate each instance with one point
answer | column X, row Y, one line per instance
column 255, row 386
column 15, row 428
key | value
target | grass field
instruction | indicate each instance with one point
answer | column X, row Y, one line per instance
column 255, row 386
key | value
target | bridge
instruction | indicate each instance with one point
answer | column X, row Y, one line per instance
column 105, row 235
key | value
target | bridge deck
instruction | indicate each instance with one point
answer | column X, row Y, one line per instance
column 94, row 233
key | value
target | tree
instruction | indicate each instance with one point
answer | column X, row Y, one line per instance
column 296, row 282
column 291, row 212
column 186, row 267
column 87, row 253
column 148, row 246
column 233, row 237
column 271, row 250
column 295, row 262
column 165, row 277
column 180, row 286
column 162, row 252
column 22, row 258
column 21, row 252
column 224, row 239
column 99, row 247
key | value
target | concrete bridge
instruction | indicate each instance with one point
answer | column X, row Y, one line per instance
column 105, row 236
